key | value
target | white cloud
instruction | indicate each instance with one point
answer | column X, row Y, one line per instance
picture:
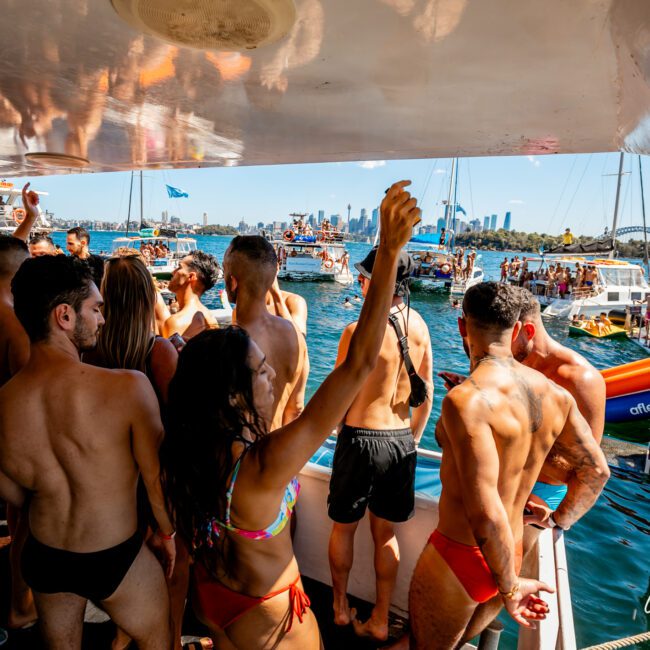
column 371, row 164
column 438, row 170
column 515, row 201
column 534, row 161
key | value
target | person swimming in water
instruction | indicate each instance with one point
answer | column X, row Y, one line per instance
column 346, row 302
column 233, row 486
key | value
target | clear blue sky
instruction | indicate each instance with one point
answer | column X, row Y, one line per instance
column 544, row 193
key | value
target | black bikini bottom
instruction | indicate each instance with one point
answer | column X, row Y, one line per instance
column 94, row 576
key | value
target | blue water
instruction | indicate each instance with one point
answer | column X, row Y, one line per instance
column 609, row 549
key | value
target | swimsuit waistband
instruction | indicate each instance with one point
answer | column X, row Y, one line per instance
column 358, row 432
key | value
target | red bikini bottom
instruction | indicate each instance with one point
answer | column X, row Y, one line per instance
column 223, row 606
column 469, row 566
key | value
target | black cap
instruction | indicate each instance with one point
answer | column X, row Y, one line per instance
column 404, row 269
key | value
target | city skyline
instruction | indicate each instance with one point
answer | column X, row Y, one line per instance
column 543, row 194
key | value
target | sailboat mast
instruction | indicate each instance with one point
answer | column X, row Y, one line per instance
column 453, row 227
column 645, row 231
column 451, row 185
column 618, row 196
column 128, row 216
column 140, row 199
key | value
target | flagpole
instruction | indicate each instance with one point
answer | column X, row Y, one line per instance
column 128, row 218
column 140, row 199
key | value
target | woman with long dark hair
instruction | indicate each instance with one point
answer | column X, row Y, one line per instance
column 233, row 487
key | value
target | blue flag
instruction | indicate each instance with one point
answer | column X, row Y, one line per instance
column 175, row 193
column 459, row 208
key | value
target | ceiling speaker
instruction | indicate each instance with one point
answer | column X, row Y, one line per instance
column 210, row 24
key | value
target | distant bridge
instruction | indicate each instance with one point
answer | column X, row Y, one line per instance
column 628, row 230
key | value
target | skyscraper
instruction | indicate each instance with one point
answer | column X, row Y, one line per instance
column 363, row 221
column 375, row 218
column 165, row 217
column 507, row 222
column 205, row 219
column 311, row 220
column 321, row 216
column 486, row 223
column 440, row 225
column 493, row 222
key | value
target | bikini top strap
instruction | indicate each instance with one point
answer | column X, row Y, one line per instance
column 231, row 487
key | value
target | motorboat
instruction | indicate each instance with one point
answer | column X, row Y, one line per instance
column 618, row 285
column 12, row 212
column 319, row 256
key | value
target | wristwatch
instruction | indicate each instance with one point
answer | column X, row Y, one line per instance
column 554, row 524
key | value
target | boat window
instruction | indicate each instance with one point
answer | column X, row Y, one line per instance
column 635, row 295
column 612, row 296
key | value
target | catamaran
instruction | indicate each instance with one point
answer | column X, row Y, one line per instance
column 392, row 79
column 12, row 212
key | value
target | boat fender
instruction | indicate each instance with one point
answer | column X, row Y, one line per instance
column 19, row 215
column 328, row 264
column 288, row 235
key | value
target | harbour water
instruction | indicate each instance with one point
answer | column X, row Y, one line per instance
column 609, row 550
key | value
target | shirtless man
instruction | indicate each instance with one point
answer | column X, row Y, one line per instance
column 280, row 302
column 496, row 429
column 72, row 440
column 374, row 462
column 250, row 266
column 197, row 273
column 534, row 348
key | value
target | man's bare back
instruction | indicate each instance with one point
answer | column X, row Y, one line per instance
column 179, row 322
column 383, row 401
column 285, row 352
column 81, row 475
column 516, row 414
column 14, row 344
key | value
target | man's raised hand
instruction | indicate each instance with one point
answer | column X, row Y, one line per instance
column 399, row 213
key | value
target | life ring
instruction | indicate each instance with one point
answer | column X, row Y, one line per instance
column 156, row 232
column 288, row 235
column 19, row 215
column 320, row 236
column 445, row 268
column 328, row 264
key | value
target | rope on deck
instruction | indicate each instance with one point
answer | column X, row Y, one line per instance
column 621, row 643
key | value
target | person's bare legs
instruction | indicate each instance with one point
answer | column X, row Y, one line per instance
column 341, row 555
column 22, row 611
column 178, row 586
column 386, row 565
column 439, row 605
column 140, row 605
column 61, row 619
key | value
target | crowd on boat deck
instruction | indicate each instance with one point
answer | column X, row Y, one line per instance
column 154, row 250
column 554, row 280
column 148, row 457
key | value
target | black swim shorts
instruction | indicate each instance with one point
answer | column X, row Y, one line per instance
column 374, row 469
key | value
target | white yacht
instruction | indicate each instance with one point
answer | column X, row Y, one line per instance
column 12, row 212
column 618, row 285
column 319, row 256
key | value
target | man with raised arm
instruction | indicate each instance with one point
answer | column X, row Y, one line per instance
column 197, row 273
column 250, row 266
column 374, row 462
column 496, row 429
column 73, row 439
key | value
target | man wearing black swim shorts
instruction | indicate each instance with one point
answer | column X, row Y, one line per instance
column 374, row 462
column 73, row 440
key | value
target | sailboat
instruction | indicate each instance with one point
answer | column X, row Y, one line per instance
column 618, row 284
column 436, row 264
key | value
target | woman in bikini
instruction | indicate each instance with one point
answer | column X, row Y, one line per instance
column 232, row 486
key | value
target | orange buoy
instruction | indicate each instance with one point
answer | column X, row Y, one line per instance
column 19, row 215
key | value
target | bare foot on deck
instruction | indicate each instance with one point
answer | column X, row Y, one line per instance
column 343, row 615
column 371, row 629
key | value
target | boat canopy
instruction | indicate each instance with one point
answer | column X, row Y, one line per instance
column 426, row 238
column 328, row 89
column 588, row 248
